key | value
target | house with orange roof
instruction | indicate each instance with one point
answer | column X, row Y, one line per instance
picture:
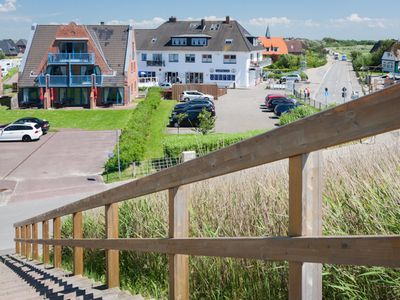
column 274, row 46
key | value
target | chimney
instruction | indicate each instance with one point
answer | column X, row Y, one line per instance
column 203, row 23
column 227, row 19
column 172, row 19
column 102, row 23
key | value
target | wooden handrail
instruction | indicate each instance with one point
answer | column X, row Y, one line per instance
column 346, row 250
column 305, row 249
column 370, row 115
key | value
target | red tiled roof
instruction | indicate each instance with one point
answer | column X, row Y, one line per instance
column 273, row 42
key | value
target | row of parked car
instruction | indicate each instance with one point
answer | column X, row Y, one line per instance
column 280, row 104
column 24, row 129
column 194, row 102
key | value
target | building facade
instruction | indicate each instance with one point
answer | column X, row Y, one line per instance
column 78, row 65
column 220, row 52
column 391, row 59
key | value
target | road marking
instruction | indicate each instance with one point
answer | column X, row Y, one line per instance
column 30, row 155
column 323, row 79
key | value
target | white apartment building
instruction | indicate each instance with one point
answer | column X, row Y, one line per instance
column 220, row 52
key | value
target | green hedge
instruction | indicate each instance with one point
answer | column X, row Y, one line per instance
column 298, row 113
column 133, row 137
column 174, row 145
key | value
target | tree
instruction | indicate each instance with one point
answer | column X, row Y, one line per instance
column 206, row 122
column 2, row 55
column 179, row 118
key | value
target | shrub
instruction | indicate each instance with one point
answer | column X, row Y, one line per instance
column 133, row 137
column 174, row 145
column 297, row 114
column 206, row 122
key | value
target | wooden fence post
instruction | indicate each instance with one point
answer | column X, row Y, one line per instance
column 28, row 244
column 17, row 244
column 305, row 219
column 57, row 236
column 78, row 251
column 35, row 246
column 178, row 228
column 112, row 256
column 23, row 244
column 45, row 235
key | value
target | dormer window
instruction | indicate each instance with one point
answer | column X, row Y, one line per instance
column 199, row 42
column 215, row 27
column 228, row 41
column 179, row 41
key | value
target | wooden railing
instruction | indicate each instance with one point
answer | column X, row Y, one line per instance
column 305, row 248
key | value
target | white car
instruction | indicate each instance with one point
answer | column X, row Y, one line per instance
column 21, row 132
column 191, row 95
column 166, row 85
column 292, row 77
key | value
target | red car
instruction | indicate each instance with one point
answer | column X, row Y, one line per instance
column 272, row 96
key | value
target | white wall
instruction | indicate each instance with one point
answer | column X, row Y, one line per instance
column 240, row 69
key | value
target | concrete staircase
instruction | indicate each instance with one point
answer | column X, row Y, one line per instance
column 28, row 280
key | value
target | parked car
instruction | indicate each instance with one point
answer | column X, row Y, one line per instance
column 344, row 57
column 281, row 109
column 276, row 101
column 21, row 132
column 194, row 106
column 193, row 102
column 44, row 124
column 191, row 95
column 271, row 96
column 166, row 85
column 191, row 118
column 291, row 77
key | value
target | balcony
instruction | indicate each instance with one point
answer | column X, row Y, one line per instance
column 70, row 81
column 70, row 58
column 155, row 63
column 85, row 80
column 54, row 81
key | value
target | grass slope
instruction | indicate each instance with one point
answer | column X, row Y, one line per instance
column 82, row 119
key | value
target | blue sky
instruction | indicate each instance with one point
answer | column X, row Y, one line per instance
column 351, row 19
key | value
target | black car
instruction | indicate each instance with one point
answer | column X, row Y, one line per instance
column 276, row 101
column 191, row 118
column 194, row 106
column 283, row 108
column 42, row 123
column 194, row 102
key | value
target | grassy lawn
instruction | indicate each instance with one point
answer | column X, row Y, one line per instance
column 159, row 120
column 82, row 119
column 10, row 73
column 348, row 49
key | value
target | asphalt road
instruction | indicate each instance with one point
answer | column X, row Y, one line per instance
column 335, row 76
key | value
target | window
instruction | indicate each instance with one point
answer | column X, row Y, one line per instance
column 194, row 77
column 276, row 49
column 144, row 56
column 222, row 77
column 153, row 40
column 229, row 59
column 190, row 58
column 207, row 58
column 267, row 49
column 73, row 47
column 199, row 42
column 179, row 41
column 174, row 57
column 228, row 41
column 157, row 57
column 215, row 27
column 146, row 74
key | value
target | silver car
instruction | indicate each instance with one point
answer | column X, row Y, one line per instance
column 191, row 95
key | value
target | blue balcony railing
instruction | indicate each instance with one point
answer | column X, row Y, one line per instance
column 71, row 58
column 54, row 81
column 70, row 81
column 85, row 80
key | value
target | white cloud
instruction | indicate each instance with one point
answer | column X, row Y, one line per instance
column 150, row 23
column 311, row 23
column 355, row 18
column 269, row 21
column 8, row 5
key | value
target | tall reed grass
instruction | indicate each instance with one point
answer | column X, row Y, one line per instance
column 361, row 196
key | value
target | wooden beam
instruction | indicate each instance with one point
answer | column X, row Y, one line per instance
column 17, row 244
column 57, row 248
column 112, row 256
column 370, row 115
column 23, row 243
column 78, row 251
column 29, row 244
column 45, row 235
column 178, row 227
column 305, row 219
column 342, row 250
column 35, row 246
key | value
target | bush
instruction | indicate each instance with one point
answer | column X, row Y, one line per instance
column 298, row 113
column 206, row 122
column 174, row 145
column 133, row 137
